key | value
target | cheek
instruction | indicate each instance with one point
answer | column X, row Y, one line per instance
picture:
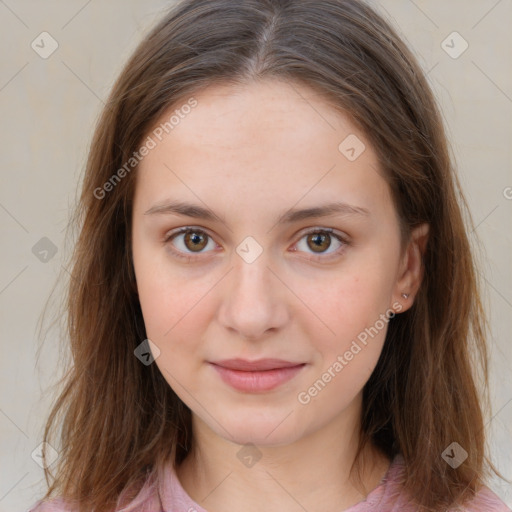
column 353, row 300
column 168, row 296
column 174, row 317
column 355, row 310
column 177, row 311
column 173, row 311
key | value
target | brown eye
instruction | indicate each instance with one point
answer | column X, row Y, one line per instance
column 319, row 242
column 195, row 240
column 186, row 241
column 324, row 242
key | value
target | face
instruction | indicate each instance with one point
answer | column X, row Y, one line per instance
column 268, row 321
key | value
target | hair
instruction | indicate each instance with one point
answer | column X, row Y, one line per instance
column 120, row 420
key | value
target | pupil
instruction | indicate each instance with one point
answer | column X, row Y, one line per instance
column 317, row 241
column 196, row 239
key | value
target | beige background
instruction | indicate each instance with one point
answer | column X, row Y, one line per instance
column 48, row 110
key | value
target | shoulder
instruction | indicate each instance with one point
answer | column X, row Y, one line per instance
column 146, row 501
column 394, row 495
column 54, row 505
column 487, row 500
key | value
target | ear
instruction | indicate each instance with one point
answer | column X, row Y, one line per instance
column 411, row 269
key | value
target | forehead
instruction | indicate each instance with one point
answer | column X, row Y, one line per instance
column 273, row 138
column 266, row 113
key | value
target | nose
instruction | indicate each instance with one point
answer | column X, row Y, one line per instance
column 254, row 300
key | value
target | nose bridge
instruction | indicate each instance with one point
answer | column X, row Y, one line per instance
column 252, row 277
column 253, row 302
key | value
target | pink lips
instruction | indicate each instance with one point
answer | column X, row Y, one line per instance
column 256, row 376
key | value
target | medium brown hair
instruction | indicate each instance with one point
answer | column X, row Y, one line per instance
column 121, row 421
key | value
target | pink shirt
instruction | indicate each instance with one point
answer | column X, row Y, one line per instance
column 386, row 497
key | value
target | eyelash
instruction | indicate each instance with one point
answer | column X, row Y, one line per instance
column 343, row 240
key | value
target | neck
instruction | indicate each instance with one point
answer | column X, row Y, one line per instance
column 312, row 472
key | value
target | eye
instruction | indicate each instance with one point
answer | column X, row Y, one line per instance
column 189, row 240
column 319, row 240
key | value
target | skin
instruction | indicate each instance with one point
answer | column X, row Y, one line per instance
column 251, row 153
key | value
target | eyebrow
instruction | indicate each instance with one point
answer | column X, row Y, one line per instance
column 288, row 217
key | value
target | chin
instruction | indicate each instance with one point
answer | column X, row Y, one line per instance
column 258, row 429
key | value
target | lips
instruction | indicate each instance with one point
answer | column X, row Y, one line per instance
column 255, row 366
column 256, row 376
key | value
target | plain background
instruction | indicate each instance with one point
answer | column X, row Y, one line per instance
column 49, row 107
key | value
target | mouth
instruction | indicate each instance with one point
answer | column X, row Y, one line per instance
column 256, row 376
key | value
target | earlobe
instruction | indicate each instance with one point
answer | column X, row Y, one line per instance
column 412, row 269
